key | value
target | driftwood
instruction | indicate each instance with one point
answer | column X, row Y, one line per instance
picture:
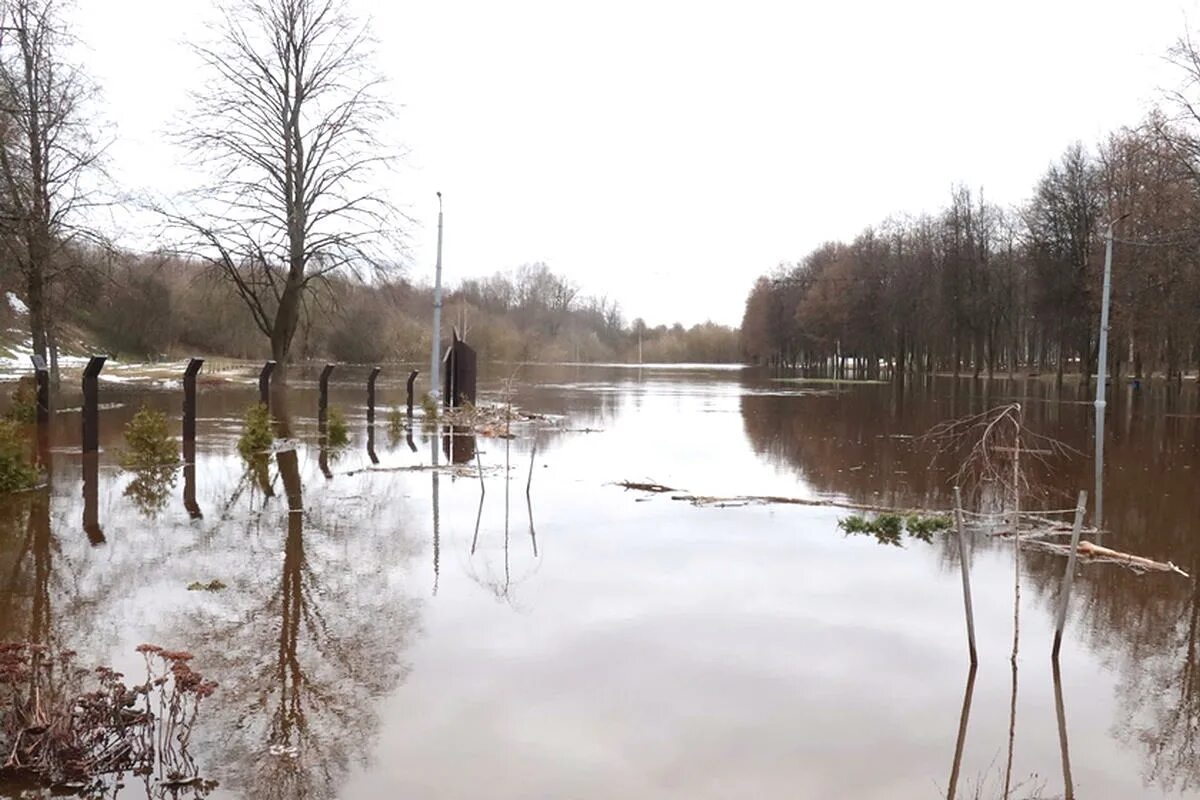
column 1096, row 553
column 1031, row 533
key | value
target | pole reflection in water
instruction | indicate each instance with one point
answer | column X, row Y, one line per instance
column 1068, row 783
column 1012, row 731
column 1098, row 507
column 502, row 587
column 371, row 443
column 961, row 741
column 91, row 503
column 189, row 480
column 433, row 456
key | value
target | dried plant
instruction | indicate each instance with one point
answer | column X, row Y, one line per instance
column 54, row 731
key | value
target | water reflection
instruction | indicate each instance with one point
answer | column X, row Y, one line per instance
column 189, row 480
column 1064, row 748
column 961, row 740
column 91, row 498
column 302, row 659
column 499, row 581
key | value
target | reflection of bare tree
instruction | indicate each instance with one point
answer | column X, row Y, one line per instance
column 302, row 660
column 1159, row 696
column 29, row 572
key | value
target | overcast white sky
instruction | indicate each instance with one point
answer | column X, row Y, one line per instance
column 667, row 153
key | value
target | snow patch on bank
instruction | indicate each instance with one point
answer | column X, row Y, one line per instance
column 16, row 303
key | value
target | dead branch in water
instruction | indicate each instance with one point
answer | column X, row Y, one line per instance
column 649, row 486
column 1033, row 532
column 1094, row 553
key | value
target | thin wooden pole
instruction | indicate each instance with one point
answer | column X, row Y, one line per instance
column 966, row 575
column 1069, row 578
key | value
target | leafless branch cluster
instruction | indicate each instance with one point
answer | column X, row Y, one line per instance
column 286, row 128
column 996, row 454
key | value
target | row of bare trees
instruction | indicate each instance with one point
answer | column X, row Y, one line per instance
column 978, row 287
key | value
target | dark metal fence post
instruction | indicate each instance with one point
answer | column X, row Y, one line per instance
column 412, row 378
column 91, row 403
column 42, row 377
column 371, row 394
column 189, row 398
column 323, row 397
column 264, row 383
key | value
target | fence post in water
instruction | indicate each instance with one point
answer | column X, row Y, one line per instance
column 1065, row 593
column 189, row 398
column 966, row 575
column 412, row 378
column 42, row 378
column 371, row 394
column 91, row 403
column 323, row 398
column 264, row 383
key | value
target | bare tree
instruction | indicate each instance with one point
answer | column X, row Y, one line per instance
column 286, row 127
column 48, row 147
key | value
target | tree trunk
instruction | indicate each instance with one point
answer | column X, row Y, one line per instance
column 287, row 317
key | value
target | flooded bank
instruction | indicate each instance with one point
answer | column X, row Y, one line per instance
column 386, row 629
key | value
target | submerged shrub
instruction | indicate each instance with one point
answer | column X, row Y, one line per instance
column 149, row 442
column 256, row 432
column 888, row 528
column 430, row 406
column 23, row 405
column 339, row 435
column 923, row 527
column 16, row 473
column 61, row 724
column 396, row 419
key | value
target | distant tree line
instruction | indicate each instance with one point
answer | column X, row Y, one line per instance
column 158, row 306
column 980, row 288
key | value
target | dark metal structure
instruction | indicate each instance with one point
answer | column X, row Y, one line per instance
column 371, row 394
column 91, row 403
column 264, row 383
column 189, row 400
column 412, row 379
column 459, row 382
column 42, row 377
column 323, row 397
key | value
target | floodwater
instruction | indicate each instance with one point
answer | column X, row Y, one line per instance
column 389, row 632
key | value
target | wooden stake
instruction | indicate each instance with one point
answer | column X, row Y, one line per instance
column 966, row 576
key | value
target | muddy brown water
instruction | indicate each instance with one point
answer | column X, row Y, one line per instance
column 389, row 632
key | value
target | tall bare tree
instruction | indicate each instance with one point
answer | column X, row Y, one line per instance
column 48, row 147
column 286, row 128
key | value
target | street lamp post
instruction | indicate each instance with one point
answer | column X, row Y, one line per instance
column 436, row 356
column 1102, row 372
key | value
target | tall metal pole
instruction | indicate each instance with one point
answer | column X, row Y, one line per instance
column 1102, row 370
column 436, row 355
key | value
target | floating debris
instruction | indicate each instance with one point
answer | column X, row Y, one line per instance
column 212, row 586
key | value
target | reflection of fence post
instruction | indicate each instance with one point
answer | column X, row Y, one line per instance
column 42, row 377
column 264, row 383
column 371, row 394
column 189, row 398
column 91, row 403
column 91, row 498
column 412, row 378
column 1065, row 593
column 966, row 574
column 323, row 398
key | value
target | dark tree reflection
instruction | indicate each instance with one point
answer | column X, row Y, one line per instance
column 305, row 656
